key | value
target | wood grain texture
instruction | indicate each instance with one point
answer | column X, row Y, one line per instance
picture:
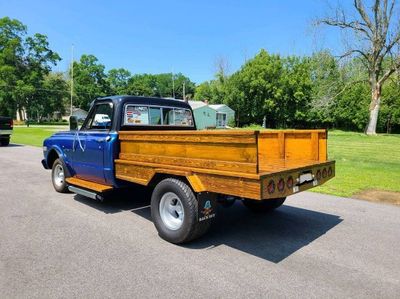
column 192, row 162
column 232, row 162
column 88, row 185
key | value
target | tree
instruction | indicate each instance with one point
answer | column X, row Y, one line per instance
column 11, row 60
column 90, row 81
column 24, row 63
column 376, row 34
column 390, row 111
column 256, row 91
column 327, row 85
column 54, row 93
column 118, row 80
column 161, row 85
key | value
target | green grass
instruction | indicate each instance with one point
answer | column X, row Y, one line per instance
column 34, row 135
column 362, row 162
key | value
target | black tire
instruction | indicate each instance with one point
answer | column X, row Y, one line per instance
column 262, row 206
column 190, row 228
column 5, row 141
column 61, row 185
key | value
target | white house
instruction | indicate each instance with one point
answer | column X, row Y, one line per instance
column 211, row 116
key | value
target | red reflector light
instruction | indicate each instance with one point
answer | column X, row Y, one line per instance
column 11, row 123
column 281, row 185
column 324, row 173
column 271, row 187
column 289, row 182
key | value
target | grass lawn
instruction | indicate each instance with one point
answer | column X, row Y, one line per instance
column 34, row 135
column 362, row 162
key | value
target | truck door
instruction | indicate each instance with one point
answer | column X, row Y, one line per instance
column 90, row 143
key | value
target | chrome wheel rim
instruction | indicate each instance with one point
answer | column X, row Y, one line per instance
column 58, row 175
column 171, row 211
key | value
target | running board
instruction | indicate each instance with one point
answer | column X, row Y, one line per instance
column 84, row 192
column 90, row 186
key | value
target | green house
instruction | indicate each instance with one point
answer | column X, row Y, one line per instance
column 211, row 116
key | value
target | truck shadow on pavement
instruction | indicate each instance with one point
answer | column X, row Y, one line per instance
column 272, row 236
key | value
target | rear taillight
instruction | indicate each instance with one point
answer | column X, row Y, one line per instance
column 289, row 182
column 271, row 187
column 11, row 124
column 281, row 185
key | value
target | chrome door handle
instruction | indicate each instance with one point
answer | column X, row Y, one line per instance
column 108, row 138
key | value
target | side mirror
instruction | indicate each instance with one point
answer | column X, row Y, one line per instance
column 73, row 123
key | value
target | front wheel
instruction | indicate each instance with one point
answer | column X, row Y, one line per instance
column 174, row 210
column 58, row 177
column 262, row 206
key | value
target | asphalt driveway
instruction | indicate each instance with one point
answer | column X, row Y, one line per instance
column 64, row 245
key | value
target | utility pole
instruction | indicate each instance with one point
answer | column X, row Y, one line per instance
column 183, row 90
column 173, row 85
column 72, row 74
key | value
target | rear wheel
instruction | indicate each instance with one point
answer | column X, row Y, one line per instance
column 5, row 141
column 174, row 210
column 262, row 206
column 58, row 177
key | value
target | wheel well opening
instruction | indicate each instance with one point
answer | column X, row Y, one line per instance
column 158, row 177
column 52, row 156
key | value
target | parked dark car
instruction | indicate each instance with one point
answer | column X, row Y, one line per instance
column 6, row 129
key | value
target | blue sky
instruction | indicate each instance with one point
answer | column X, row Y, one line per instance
column 180, row 36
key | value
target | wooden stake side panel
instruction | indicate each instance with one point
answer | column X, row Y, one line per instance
column 200, row 182
column 231, row 151
column 293, row 148
column 237, row 163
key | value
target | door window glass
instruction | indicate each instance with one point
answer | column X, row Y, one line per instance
column 101, row 118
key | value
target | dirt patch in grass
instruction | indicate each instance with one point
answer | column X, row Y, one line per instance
column 379, row 196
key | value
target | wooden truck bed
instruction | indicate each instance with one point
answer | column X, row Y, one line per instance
column 249, row 164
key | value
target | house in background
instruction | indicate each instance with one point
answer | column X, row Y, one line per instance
column 224, row 115
column 204, row 115
column 211, row 116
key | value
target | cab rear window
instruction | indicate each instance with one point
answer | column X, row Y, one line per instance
column 141, row 115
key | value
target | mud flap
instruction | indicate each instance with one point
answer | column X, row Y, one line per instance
column 207, row 206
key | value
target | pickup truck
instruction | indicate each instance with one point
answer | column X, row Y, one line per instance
column 6, row 129
column 128, row 140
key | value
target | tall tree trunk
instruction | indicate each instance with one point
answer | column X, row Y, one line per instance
column 374, row 109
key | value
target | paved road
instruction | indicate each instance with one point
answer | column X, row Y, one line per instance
column 56, row 245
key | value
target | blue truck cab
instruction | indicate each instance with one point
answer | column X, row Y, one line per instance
column 88, row 153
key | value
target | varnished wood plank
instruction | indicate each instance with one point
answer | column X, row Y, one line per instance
column 141, row 174
column 223, row 152
column 192, row 162
column 235, row 186
column 188, row 169
column 179, row 138
column 88, row 185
